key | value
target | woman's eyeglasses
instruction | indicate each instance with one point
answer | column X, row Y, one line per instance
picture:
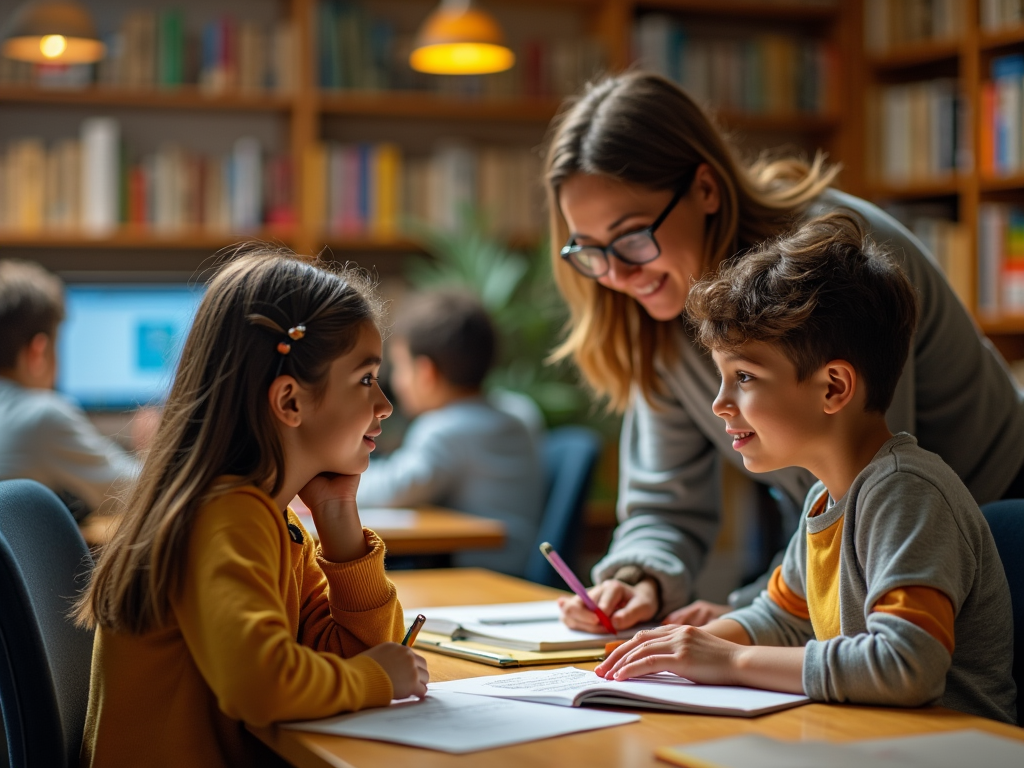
column 637, row 247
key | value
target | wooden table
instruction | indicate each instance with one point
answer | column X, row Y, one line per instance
column 625, row 746
column 426, row 531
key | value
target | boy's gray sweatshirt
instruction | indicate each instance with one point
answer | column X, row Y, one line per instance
column 910, row 521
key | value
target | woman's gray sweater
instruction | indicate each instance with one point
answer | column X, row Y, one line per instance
column 955, row 395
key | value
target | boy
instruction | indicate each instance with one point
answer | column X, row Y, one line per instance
column 459, row 452
column 891, row 591
column 42, row 436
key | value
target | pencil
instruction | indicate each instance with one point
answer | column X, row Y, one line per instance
column 575, row 585
column 414, row 629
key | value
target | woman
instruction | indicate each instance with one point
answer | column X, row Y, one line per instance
column 648, row 195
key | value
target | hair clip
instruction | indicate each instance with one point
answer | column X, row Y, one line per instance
column 284, row 347
column 296, row 333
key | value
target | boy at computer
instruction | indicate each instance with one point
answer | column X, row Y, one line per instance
column 460, row 451
column 891, row 591
column 43, row 436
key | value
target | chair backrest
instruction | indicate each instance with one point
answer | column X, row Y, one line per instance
column 1006, row 519
column 44, row 659
column 569, row 454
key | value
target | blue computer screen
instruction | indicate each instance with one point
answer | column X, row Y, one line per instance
column 119, row 344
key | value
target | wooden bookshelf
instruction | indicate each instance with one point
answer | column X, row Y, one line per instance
column 968, row 57
column 308, row 106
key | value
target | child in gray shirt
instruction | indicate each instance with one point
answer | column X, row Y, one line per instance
column 891, row 591
column 460, row 451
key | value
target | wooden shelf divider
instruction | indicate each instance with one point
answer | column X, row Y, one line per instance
column 916, row 54
column 181, row 97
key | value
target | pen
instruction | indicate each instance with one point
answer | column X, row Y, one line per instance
column 575, row 585
column 414, row 629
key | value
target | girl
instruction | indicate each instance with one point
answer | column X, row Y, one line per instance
column 211, row 604
column 647, row 195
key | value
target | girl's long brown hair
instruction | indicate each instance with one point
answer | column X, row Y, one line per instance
column 217, row 418
column 641, row 128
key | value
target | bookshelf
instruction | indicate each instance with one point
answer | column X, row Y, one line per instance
column 306, row 115
column 969, row 191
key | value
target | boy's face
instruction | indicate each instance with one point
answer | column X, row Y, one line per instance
column 774, row 420
column 407, row 377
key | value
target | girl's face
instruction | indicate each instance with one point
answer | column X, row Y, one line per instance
column 599, row 209
column 344, row 425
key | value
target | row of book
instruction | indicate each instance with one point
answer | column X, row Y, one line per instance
column 372, row 190
column 891, row 23
column 946, row 239
column 1000, row 258
column 1000, row 14
column 763, row 74
column 90, row 185
column 921, row 131
column 1001, row 128
column 154, row 49
column 358, row 49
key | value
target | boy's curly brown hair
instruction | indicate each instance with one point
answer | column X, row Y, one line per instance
column 824, row 292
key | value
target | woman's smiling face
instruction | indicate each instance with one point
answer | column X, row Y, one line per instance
column 599, row 209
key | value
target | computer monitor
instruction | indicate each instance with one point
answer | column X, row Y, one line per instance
column 119, row 345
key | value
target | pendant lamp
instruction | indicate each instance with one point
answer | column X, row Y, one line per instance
column 52, row 33
column 458, row 39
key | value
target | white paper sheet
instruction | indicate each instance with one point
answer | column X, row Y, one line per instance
column 374, row 518
column 568, row 684
column 457, row 723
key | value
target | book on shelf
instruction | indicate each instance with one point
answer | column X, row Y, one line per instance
column 763, row 73
column 1002, row 101
column 155, row 49
column 360, row 49
column 948, row 241
column 996, row 15
column 921, row 131
column 889, row 24
column 94, row 184
column 1000, row 259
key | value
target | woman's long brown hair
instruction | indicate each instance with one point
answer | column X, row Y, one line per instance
column 217, row 420
column 641, row 128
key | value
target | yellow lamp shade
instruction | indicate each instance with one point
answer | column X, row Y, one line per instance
column 52, row 33
column 459, row 40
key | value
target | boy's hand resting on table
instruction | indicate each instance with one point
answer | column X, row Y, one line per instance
column 687, row 651
column 626, row 606
column 406, row 668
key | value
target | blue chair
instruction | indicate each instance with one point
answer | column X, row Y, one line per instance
column 1006, row 519
column 569, row 454
column 44, row 659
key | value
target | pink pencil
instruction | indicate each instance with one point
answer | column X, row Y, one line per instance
column 575, row 584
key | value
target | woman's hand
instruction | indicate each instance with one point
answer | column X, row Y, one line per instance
column 697, row 613
column 406, row 668
column 332, row 502
column 626, row 606
column 687, row 651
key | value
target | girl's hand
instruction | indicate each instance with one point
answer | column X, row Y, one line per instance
column 406, row 668
column 697, row 613
column 687, row 651
column 626, row 606
column 327, row 488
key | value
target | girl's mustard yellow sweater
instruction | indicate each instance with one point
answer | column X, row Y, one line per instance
column 264, row 629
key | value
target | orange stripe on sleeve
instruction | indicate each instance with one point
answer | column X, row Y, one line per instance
column 925, row 607
column 785, row 598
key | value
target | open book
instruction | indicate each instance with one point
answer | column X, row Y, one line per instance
column 519, row 626
column 573, row 687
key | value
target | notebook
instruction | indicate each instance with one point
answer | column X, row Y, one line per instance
column 496, row 656
column 519, row 626
column 573, row 687
column 955, row 749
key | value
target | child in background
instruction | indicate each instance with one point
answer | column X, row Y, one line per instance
column 212, row 605
column 891, row 591
column 44, row 437
column 460, row 452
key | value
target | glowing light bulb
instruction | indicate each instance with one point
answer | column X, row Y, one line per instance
column 53, row 46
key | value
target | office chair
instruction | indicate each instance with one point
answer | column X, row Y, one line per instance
column 569, row 455
column 44, row 659
column 1006, row 519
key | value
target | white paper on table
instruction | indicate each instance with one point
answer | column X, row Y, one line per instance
column 374, row 518
column 755, row 751
column 535, row 626
column 954, row 749
column 456, row 723
column 571, row 686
